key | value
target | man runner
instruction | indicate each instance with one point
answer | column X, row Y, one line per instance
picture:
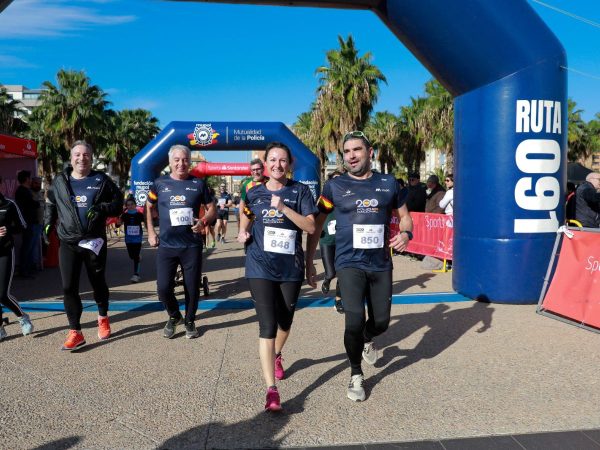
column 364, row 202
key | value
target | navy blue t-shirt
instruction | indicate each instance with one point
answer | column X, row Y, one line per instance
column 132, row 224
column 275, row 250
column 179, row 203
column 222, row 199
column 363, row 211
column 85, row 191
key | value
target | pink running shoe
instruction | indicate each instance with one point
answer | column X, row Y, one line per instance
column 273, row 401
column 279, row 372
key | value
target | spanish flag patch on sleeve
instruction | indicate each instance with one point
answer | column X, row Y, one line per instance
column 152, row 197
column 324, row 204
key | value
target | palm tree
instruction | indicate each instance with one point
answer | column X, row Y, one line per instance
column 439, row 120
column 348, row 90
column 413, row 133
column 127, row 132
column 74, row 109
column 10, row 110
column 576, row 138
column 383, row 129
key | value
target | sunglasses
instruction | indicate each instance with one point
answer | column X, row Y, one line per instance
column 356, row 134
column 448, row 179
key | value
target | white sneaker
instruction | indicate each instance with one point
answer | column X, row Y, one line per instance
column 356, row 392
column 369, row 353
column 135, row 279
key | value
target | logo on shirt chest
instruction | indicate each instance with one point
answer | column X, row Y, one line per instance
column 367, row 206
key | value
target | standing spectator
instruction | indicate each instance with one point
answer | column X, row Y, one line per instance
column 571, row 202
column 38, row 196
column 29, row 208
column 435, row 194
column 417, row 195
column 587, row 198
column 447, row 203
column 82, row 199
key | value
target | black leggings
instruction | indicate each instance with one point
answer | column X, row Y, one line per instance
column 358, row 286
column 7, row 266
column 167, row 261
column 328, row 258
column 134, row 254
column 71, row 257
column 275, row 303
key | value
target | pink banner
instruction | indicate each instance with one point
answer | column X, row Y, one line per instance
column 203, row 169
column 432, row 234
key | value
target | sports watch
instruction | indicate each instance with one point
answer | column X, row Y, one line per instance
column 409, row 234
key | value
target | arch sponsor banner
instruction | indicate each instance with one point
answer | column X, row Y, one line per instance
column 433, row 234
column 573, row 291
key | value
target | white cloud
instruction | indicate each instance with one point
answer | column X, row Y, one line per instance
column 30, row 18
column 13, row 62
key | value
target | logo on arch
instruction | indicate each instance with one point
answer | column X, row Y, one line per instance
column 203, row 136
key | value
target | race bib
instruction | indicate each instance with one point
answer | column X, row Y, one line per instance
column 280, row 240
column 181, row 216
column 94, row 245
column 367, row 236
column 133, row 230
column 221, row 202
column 331, row 227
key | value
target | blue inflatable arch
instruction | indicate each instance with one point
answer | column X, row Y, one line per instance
column 503, row 66
column 147, row 164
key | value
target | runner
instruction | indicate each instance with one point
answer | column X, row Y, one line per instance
column 364, row 202
column 11, row 222
column 257, row 176
column 82, row 199
column 224, row 202
column 178, row 197
column 327, row 246
column 132, row 221
column 281, row 208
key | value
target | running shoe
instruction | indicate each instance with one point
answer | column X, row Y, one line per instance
column 356, row 392
column 325, row 286
column 26, row 325
column 339, row 306
column 219, row 237
column 223, row 239
column 135, row 278
column 273, row 402
column 279, row 372
column 171, row 326
column 214, row 244
column 103, row 328
column 3, row 334
column 74, row 340
column 369, row 353
column 191, row 331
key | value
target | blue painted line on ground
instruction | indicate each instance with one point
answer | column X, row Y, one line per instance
column 303, row 302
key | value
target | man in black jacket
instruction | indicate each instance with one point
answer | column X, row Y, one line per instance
column 587, row 201
column 82, row 199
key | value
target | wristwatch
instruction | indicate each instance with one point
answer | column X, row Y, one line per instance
column 409, row 234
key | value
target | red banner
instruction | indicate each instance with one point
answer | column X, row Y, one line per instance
column 432, row 234
column 11, row 146
column 574, row 292
column 203, row 169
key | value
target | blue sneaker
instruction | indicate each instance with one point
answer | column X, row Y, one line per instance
column 3, row 334
column 26, row 325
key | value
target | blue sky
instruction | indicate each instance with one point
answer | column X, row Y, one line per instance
column 219, row 62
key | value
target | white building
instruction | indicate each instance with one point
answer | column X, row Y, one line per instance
column 29, row 98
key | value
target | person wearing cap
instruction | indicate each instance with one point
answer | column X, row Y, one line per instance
column 417, row 195
column 435, row 193
column 364, row 202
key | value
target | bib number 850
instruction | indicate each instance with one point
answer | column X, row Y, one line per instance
column 369, row 240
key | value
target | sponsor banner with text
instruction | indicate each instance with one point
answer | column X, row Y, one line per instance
column 432, row 234
column 573, row 292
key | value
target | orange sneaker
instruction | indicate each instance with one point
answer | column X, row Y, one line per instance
column 103, row 328
column 74, row 340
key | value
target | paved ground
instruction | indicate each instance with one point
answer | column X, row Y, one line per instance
column 448, row 371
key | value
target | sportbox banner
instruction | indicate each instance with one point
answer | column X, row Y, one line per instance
column 433, row 234
column 573, row 292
